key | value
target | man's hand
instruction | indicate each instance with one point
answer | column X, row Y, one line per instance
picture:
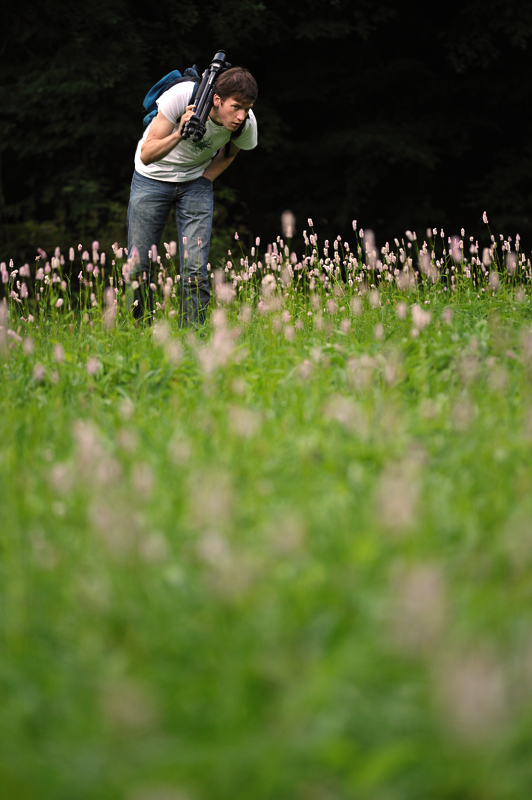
column 162, row 138
column 185, row 118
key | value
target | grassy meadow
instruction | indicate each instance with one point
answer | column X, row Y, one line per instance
column 286, row 556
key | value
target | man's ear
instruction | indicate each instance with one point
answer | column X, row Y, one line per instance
column 216, row 100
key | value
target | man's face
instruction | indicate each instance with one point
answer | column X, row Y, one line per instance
column 230, row 113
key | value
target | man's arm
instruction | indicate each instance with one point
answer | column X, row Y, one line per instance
column 162, row 138
column 220, row 162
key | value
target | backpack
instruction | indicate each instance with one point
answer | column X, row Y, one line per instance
column 150, row 101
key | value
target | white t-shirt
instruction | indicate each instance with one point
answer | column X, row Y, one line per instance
column 189, row 160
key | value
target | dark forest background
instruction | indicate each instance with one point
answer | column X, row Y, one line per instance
column 398, row 115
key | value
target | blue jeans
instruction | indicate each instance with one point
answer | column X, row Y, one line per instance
column 150, row 203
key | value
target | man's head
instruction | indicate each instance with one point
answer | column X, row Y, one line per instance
column 238, row 83
column 236, row 91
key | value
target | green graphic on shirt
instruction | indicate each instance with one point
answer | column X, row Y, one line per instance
column 202, row 145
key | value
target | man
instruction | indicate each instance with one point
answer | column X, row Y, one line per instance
column 172, row 171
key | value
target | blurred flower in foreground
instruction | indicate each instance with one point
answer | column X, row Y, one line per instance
column 419, row 607
column 3, row 323
column 224, row 292
column 109, row 313
column 456, row 249
column 420, row 318
column 92, row 365
column 211, row 499
column 128, row 705
column 359, row 371
column 39, row 373
column 401, row 310
column 473, row 694
column 244, row 422
column 268, row 285
column 219, row 350
column 397, row 492
column 288, row 223
column 345, row 411
column 447, row 315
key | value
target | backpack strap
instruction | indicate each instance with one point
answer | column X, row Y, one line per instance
column 194, row 91
column 234, row 135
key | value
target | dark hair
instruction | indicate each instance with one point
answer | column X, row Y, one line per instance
column 239, row 83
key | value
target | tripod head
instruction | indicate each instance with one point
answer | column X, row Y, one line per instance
column 196, row 125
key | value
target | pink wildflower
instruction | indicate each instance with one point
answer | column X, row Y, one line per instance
column 420, row 318
column 109, row 313
column 288, row 222
column 92, row 366
column 456, row 249
column 39, row 373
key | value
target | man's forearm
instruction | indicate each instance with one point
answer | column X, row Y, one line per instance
column 218, row 165
column 162, row 138
column 155, row 149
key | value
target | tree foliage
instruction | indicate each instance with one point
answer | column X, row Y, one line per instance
column 366, row 110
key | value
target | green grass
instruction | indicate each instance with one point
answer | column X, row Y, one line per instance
column 286, row 556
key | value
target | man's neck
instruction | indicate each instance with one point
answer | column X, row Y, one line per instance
column 212, row 116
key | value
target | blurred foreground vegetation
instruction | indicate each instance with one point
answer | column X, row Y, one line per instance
column 287, row 555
